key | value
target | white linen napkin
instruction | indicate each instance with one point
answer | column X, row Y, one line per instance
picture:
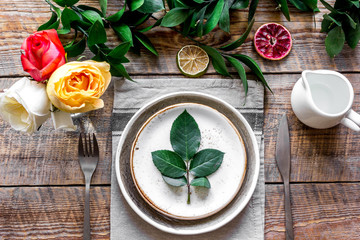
column 129, row 97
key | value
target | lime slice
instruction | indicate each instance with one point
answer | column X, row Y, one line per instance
column 192, row 61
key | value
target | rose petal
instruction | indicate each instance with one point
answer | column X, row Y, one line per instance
column 54, row 38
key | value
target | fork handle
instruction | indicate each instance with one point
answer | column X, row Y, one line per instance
column 87, row 210
column 288, row 215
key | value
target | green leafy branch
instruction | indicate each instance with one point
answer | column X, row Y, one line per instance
column 341, row 24
column 195, row 18
column 176, row 166
column 91, row 24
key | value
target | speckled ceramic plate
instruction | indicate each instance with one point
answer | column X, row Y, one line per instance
column 216, row 118
column 217, row 132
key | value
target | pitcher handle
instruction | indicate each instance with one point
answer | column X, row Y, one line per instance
column 352, row 120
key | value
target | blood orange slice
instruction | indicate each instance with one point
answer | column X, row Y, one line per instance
column 273, row 41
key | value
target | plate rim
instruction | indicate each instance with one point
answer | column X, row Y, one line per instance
column 189, row 231
column 147, row 198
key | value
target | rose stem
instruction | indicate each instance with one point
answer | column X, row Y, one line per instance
column 188, row 181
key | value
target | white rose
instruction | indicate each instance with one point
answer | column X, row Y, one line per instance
column 25, row 105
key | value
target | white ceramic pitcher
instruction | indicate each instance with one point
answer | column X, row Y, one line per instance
column 323, row 99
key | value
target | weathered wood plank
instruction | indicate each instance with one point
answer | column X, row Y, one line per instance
column 53, row 213
column 50, row 157
column 308, row 49
column 320, row 211
column 317, row 155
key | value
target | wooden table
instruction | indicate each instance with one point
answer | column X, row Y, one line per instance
column 42, row 187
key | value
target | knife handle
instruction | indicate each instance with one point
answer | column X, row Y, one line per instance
column 288, row 215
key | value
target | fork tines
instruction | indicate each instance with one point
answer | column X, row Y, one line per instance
column 89, row 150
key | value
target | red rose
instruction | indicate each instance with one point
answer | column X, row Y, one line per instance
column 43, row 54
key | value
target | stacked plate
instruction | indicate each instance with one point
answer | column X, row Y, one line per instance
column 222, row 127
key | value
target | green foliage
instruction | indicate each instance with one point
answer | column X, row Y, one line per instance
column 199, row 17
column 341, row 25
column 169, row 163
column 185, row 136
column 200, row 182
column 193, row 17
column 176, row 166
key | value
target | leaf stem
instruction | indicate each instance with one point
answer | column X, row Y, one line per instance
column 188, row 181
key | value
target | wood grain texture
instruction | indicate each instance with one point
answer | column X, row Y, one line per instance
column 320, row 211
column 317, row 155
column 308, row 50
column 49, row 157
column 53, row 212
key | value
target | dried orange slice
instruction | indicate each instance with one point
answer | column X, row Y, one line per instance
column 273, row 41
column 192, row 61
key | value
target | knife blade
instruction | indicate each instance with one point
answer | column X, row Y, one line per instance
column 283, row 160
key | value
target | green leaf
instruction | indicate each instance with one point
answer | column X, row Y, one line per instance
column 118, row 70
column 224, row 21
column 157, row 23
column 53, row 23
column 217, row 60
column 241, row 40
column 176, row 182
column 312, row 4
column 352, row 36
column 300, row 5
column 64, row 3
column 325, row 25
column 329, row 18
column 116, row 17
column 284, row 8
column 124, row 33
column 215, row 17
column 253, row 66
column 185, row 136
column 97, row 34
column 120, row 50
column 152, row 6
column 86, row 7
column 103, row 6
column 200, row 182
column 92, row 16
column 252, row 9
column 175, row 17
column 334, row 41
column 146, row 42
column 169, row 163
column 356, row 3
column 54, row 8
column 351, row 21
column 206, row 162
column 200, row 25
column 135, row 4
column 241, row 71
column 329, row 7
column 67, row 17
column 76, row 49
column 240, row 4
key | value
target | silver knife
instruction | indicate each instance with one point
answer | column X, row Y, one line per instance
column 283, row 161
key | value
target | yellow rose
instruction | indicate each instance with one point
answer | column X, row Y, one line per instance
column 77, row 86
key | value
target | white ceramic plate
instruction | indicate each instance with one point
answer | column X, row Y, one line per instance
column 229, row 211
column 217, row 132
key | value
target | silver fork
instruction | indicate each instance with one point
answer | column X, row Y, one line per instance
column 88, row 159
